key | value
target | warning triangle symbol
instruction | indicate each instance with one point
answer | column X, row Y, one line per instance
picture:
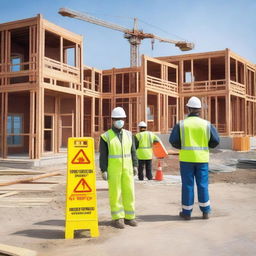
column 80, row 158
column 82, row 186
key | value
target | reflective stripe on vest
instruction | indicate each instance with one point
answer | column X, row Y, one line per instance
column 119, row 156
column 195, row 135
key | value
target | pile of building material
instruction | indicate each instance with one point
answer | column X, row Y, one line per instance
column 221, row 168
column 12, row 187
column 8, row 250
column 246, row 163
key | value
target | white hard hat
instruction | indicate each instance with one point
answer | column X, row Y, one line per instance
column 118, row 112
column 142, row 124
column 194, row 102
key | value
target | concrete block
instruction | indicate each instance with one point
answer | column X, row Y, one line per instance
column 253, row 143
column 225, row 143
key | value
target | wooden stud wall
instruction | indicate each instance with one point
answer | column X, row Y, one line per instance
column 239, row 123
column 36, row 87
column 160, row 78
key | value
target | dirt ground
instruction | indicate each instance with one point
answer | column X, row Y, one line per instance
column 245, row 176
column 231, row 230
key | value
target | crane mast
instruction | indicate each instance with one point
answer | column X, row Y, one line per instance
column 134, row 36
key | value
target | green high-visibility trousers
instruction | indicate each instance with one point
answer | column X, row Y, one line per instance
column 121, row 193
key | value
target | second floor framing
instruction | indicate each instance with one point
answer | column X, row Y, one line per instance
column 37, row 52
column 218, row 72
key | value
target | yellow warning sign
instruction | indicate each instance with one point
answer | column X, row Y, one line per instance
column 81, row 201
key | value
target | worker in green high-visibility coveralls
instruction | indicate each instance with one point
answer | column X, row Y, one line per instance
column 118, row 163
column 144, row 142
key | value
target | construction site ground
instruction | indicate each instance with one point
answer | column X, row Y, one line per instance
column 34, row 218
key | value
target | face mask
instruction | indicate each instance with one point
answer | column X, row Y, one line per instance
column 119, row 124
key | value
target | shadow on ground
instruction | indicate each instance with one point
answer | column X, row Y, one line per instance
column 41, row 233
column 155, row 218
column 60, row 223
column 54, row 233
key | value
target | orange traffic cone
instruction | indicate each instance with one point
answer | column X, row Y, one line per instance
column 159, row 172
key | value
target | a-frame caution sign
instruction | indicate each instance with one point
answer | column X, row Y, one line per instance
column 81, row 206
column 82, row 186
column 81, row 158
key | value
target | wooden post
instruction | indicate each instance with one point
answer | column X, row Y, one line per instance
column 143, row 90
column 209, row 69
column 216, row 112
column 5, row 134
column 192, row 74
column 158, row 112
column 236, row 71
column 228, row 95
column 181, row 77
column 92, row 116
column 32, row 126
column 42, row 110
column 209, row 108
column 130, row 114
column 61, row 49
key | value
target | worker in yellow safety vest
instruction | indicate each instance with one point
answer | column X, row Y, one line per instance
column 144, row 141
column 118, row 163
column 194, row 136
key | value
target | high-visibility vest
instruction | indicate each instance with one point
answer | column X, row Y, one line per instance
column 145, row 139
column 195, row 135
column 119, row 153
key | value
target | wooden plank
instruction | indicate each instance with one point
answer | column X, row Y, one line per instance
column 16, row 251
column 25, row 200
column 28, row 187
column 23, row 205
column 9, row 194
column 19, row 172
column 49, row 180
column 30, row 179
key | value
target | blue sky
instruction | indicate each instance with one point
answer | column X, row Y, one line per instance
column 210, row 24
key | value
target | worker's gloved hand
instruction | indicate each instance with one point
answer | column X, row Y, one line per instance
column 135, row 171
column 104, row 175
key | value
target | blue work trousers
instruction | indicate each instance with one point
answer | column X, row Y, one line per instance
column 190, row 172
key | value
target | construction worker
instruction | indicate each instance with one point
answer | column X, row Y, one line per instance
column 118, row 163
column 194, row 136
column 144, row 141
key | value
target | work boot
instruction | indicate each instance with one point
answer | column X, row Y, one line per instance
column 206, row 215
column 184, row 216
column 132, row 223
column 119, row 223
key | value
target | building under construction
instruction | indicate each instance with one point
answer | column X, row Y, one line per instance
column 48, row 95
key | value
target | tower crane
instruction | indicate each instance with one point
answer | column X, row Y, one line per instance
column 134, row 36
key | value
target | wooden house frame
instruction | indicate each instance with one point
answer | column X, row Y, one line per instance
column 48, row 95
column 226, row 84
column 148, row 93
column 41, row 79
